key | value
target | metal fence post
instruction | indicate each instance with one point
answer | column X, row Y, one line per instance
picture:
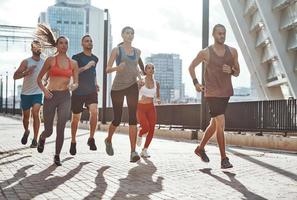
column 205, row 37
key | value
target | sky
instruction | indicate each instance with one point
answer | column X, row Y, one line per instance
column 167, row 26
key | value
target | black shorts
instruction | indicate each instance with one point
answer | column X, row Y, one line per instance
column 217, row 105
column 79, row 101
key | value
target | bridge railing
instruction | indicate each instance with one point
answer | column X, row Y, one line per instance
column 253, row 116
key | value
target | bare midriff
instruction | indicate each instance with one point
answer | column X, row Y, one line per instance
column 146, row 100
column 57, row 83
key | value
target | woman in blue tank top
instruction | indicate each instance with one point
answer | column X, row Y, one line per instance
column 125, row 84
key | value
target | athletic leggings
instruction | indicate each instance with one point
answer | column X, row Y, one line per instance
column 146, row 115
column 117, row 98
column 61, row 102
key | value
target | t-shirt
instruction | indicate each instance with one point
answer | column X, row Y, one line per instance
column 87, row 78
column 30, row 86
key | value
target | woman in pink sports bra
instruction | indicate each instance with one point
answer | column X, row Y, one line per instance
column 59, row 69
column 146, row 111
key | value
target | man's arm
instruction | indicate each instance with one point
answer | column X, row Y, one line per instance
column 86, row 67
column 96, row 83
column 21, row 71
column 236, row 67
column 201, row 57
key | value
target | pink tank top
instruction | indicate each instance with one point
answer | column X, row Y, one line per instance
column 218, row 83
column 56, row 70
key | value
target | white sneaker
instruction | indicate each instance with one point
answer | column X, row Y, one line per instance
column 134, row 157
column 138, row 140
column 144, row 153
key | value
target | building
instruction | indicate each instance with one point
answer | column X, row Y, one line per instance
column 266, row 33
column 74, row 19
column 168, row 72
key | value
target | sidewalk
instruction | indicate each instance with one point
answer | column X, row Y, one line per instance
column 173, row 171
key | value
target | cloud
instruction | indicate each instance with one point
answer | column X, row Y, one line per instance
column 167, row 26
column 176, row 20
column 22, row 13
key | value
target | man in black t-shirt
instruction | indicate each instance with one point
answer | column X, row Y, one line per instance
column 86, row 93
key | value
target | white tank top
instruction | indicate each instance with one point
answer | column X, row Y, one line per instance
column 30, row 85
column 148, row 92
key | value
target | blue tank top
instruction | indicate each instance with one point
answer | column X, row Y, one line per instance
column 128, row 76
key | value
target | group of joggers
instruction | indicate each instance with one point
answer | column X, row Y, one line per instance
column 66, row 85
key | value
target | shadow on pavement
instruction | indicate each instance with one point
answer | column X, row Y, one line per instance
column 15, row 160
column 12, row 154
column 234, row 183
column 266, row 165
column 42, row 182
column 139, row 183
column 21, row 173
column 27, row 147
column 101, row 185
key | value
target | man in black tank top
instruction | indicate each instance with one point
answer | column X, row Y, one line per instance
column 221, row 63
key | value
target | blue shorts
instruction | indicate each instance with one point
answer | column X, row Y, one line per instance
column 27, row 101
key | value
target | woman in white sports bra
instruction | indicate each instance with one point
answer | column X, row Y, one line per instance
column 146, row 111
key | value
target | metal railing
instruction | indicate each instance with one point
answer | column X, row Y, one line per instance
column 254, row 116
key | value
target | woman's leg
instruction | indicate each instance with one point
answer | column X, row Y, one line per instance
column 142, row 119
column 63, row 112
column 152, row 118
column 49, row 111
column 132, row 101
column 117, row 98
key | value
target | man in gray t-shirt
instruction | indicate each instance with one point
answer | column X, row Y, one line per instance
column 31, row 96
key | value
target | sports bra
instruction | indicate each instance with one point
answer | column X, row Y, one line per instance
column 148, row 92
column 57, row 71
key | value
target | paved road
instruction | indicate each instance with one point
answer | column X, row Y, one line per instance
column 173, row 171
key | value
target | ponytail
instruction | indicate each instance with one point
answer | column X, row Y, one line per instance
column 46, row 37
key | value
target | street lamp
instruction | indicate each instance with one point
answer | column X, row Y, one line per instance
column 13, row 108
column 105, row 54
column 1, row 93
column 6, row 92
column 205, row 37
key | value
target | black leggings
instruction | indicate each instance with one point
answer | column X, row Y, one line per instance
column 117, row 98
column 61, row 103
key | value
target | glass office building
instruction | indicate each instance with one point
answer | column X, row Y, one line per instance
column 74, row 19
column 168, row 72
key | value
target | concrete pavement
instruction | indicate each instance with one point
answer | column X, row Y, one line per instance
column 173, row 171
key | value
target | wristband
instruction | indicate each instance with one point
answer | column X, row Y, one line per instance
column 233, row 72
column 195, row 81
